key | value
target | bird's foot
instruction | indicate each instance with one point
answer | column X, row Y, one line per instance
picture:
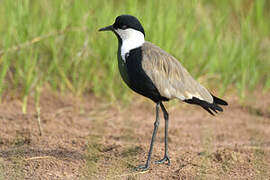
column 142, row 167
column 163, row 160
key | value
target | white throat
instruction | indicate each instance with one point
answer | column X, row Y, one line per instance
column 131, row 39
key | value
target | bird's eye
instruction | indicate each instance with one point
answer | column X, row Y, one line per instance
column 124, row 27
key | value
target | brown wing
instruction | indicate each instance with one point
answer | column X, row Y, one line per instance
column 169, row 76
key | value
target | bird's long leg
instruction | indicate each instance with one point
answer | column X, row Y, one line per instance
column 147, row 164
column 166, row 117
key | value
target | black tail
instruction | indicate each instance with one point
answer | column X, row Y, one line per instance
column 219, row 101
column 215, row 106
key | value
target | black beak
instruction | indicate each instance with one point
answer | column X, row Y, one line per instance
column 108, row 28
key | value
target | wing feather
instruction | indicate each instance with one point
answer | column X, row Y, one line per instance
column 170, row 77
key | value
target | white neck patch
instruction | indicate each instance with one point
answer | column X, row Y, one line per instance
column 131, row 39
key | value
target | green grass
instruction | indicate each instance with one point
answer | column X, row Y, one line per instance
column 55, row 44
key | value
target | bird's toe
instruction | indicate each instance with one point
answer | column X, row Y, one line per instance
column 163, row 160
column 142, row 167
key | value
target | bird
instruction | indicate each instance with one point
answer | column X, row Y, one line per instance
column 153, row 73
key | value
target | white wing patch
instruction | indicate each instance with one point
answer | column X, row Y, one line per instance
column 190, row 96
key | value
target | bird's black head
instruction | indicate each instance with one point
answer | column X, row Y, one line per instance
column 128, row 21
column 124, row 22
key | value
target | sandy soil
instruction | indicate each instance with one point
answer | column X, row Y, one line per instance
column 91, row 139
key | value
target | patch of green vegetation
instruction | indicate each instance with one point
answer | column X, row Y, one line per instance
column 2, row 176
column 132, row 151
column 227, row 158
column 128, row 135
column 100, row 157
column 260, row 164
column 13, row 168
column 22, row 138
column 56, row 43
column 129, row 155
column 207, row 144
column 124, row 164
column 93, row 155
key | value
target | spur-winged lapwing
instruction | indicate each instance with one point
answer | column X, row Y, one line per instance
column 153, row 73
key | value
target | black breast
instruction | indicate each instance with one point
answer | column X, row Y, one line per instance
column 137, row 79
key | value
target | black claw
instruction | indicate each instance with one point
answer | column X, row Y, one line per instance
column 142, row 167
column 166, row 158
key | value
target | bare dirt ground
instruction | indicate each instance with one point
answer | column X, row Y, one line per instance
column 89, row 139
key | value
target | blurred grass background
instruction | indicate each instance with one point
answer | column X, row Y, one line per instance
column 56, row 45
